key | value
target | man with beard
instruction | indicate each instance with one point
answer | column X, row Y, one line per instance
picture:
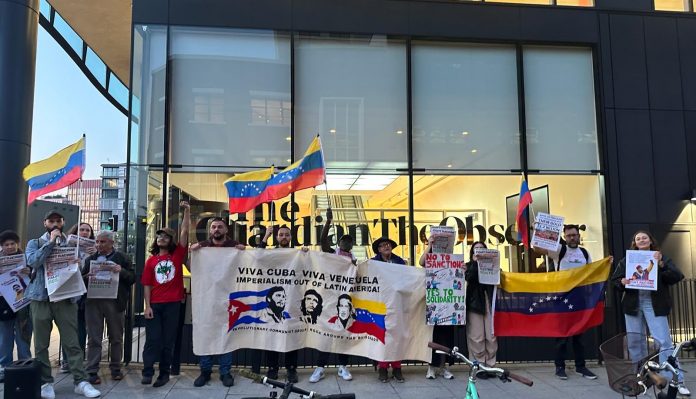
column 311, row 306
column 283, row 240
column 217, row 237
column 275, row 312
column 569, row 256
column 45, row 313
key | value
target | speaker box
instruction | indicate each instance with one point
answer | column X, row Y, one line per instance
column 23, row 380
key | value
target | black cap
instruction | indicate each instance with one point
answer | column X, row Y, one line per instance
column 53, row 212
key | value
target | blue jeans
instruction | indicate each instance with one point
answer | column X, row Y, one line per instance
column 225, row 363
column 659, row 330
column 9, row 334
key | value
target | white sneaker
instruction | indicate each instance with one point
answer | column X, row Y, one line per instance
column 683, row 390
column 445, row 373
column 47, row 391
column 317, row 375
column 344, row 373
column 430, row 374
column 86, row 389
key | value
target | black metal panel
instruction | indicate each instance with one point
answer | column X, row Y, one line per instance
column 605, row 70
column 690, row 128
column 635, row 165
column 662, row 55
column 356, row 16
column 686, row 28
column 150, row 12
column 633, row 5
column 19, row 21
column 266, row 14
column 670, row 161
column 459, row 20
column 612, row 166
column 558, row 25
column 628, row 61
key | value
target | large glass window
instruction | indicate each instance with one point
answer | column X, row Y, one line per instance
column 560, row 109
column 230, row 98
column 352, row 91
column 465, row 107
column 675, row 5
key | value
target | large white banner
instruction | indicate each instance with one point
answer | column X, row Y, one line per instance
column 286, row 299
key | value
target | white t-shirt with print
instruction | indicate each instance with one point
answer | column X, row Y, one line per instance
column 573, row 258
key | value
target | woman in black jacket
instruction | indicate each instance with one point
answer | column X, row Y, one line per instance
column 479, row 335
column 643, row 307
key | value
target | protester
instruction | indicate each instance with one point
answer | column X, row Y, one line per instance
column 283, row 240
column 383, row 248
column 110, row 311
column 217, row 237
column 82, row 230
column 569, row 255
column 641, row 307
column 443, row 335
column 14, row 327
column 345, row 245
column 163, row 283
column 479, row 320
column 44, row 313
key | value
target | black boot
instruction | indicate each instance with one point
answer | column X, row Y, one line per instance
column 202, row 379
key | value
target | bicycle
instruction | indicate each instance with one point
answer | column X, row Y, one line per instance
column 649, row 376
column 476, row 368
column 288, row 389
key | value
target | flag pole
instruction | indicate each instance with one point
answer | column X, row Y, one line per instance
column 326, row 187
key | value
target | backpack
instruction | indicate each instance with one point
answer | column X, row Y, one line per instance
column 564, row 249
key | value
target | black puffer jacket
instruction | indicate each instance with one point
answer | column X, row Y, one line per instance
column 667, row 275
column 475, row 291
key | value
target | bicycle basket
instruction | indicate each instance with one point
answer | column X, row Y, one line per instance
column 623, row 355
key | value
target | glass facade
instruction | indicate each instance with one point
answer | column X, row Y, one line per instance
column 446, row 144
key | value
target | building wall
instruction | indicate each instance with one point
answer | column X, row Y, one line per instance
column 85, row 194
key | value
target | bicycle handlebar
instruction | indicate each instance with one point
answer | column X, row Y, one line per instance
column 504, row 374
column 519, row 378
column 277, row 384
column 439, row 347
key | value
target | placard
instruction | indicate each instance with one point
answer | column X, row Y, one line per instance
column 103, row 283
column 641, row 270
column 443, row 239
column 63, row 277
column 547, row 231
column 14, row 279
column 445, row 290
column 85, row 246
column 488, row 261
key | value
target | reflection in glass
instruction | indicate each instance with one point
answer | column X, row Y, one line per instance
column 230, row 85
column 465, row 107
column 560, row 109
column 352, row 91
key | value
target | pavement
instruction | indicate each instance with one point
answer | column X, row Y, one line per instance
column 366, row 385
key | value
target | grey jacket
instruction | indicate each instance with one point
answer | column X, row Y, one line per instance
column 37, row 251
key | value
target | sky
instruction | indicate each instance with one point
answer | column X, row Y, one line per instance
column 66, row 105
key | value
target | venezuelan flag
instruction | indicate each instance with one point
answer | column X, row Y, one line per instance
column 522, row 218
column 557, row 304
column 247, row 190
column 60, row 170
column 369, row 318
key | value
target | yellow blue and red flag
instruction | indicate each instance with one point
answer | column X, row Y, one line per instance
column 369, row 318
column 558, row 304
column 522, row 218
column 247, row 190
column 58, row 171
